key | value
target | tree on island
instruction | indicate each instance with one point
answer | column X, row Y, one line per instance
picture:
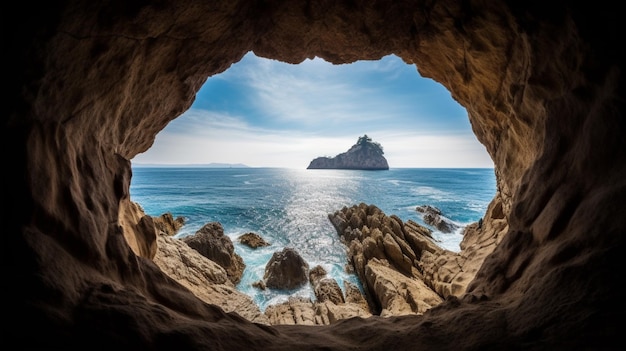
column 367, row 142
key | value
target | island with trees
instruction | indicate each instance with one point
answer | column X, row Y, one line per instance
column 364, row 155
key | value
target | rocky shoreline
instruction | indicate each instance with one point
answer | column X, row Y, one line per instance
column 401, row 268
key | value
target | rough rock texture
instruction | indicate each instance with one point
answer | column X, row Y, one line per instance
column 385, row 254
column 205, row 278
column 325, row 289
column 432, row 216
column 303, row 311
column 365, row 154
column 167, row 224
column 253, row 240
column 286, row 269
column 90, row 85
column 329, row 307
column 211, row 243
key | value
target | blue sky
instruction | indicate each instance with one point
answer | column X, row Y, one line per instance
column 267, row 113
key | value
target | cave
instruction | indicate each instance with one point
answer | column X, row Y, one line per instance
column 92, row 84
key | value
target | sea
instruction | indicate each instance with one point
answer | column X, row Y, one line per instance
column 290, row 208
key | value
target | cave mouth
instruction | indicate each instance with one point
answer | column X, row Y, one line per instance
column 95, row 84
column 371, row 96
column 267, row 113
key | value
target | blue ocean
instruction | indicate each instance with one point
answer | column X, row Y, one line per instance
column 290, row 207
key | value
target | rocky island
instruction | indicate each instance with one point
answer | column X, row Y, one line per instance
column 365, row 154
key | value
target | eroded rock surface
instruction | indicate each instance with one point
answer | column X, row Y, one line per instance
column 93, row 83
column 286, row 269
column 205, row 278
column 211, row 243
column 253, row 240
column 433, row 216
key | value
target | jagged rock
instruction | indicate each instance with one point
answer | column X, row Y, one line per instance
column 303, row 311
column 409, row 250
column 325, row 289
column 205, row 278
column 167, row 224
column 253, row 240
column 365, row 154
column 432, row 216
column 259, row 285
column 316, row 274
column 353, row 295
column 211, row 243
column 296, row 310
column 286, row 269
column 132, row 219
column 397, row 294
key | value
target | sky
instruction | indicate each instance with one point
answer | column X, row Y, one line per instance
column 267, row 113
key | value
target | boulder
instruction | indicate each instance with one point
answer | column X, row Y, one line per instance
column 211, row 243
column 286, row 269
column 205, row 278
column 252, row 240
column 433, row 216
column 167, row 224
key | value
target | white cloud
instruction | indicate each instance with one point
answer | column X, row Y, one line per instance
column 285, row 115
column 225, row 139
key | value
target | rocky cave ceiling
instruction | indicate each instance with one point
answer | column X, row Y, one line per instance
column 91, row 84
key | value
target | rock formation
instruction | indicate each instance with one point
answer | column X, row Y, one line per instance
column 433, row 216
column 91, row 84
column 365, row 154
column 326, row 289
column 330, row 305
column 205, row 278
column 211, row 243
column 253, row 240
column 286, row 269
column 167, row 224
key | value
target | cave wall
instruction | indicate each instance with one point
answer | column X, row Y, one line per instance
column 93, row 83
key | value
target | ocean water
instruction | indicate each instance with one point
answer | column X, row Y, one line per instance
column 290, row 207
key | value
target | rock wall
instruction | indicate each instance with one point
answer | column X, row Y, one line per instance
column 91, row 85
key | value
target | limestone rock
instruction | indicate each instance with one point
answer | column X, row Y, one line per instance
column 409, row 250
column 167, row 224
column 132, row 219
column 286, row 269
column 353, row 295
column 303, row 311
column 365, row 154
column 92, row 85
column 316, row 274
column 397, row 294
column 253, row 240
column 211, row 243
column 300, row 311
column 325, row 289
column 433, row 216
column 205, row 278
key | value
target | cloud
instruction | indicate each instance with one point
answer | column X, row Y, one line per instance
column 266, row 113
column 321, row 96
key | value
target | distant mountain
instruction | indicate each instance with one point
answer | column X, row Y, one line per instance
column 193, row 165
column 365, row 154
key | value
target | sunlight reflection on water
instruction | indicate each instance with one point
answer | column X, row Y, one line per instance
column 304, row 226
column 290, row 208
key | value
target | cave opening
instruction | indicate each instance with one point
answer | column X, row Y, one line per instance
column 277, row 117
column 93, row 84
